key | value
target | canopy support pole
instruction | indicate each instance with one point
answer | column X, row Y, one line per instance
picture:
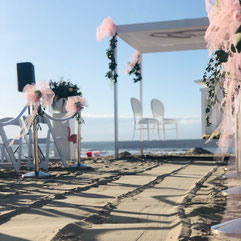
column 116, row 109
column 141, row 101
column 141, row 86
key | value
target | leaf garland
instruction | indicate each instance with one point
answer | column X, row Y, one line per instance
column 137, row 72
column 110, row 53
column 211, row 77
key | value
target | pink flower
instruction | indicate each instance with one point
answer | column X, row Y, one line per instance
column 106, row 29
column 237, row 16
column 36, row 94
column 75, row 104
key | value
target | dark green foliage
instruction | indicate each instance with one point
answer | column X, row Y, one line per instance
column 137, row 72
column 238, row 44
column 212, row 76
column 238, row 30
column 110, row 53
column 222, row 56
column 64, row 89
column 233, row 49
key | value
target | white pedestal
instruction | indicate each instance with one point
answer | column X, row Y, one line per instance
column 60, row 129
column 215, row 114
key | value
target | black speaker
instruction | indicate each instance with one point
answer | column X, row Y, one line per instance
column 26, row 75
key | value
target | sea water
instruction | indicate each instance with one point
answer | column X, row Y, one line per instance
column 106, row 148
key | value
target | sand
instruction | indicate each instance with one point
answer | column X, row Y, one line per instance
column 133, row 198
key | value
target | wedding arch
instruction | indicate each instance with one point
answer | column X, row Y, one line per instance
column 166, row 36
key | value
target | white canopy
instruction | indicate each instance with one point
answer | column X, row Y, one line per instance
column 176, row 35
column 167, row 36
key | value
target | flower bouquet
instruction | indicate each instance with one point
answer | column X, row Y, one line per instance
column 63, row 89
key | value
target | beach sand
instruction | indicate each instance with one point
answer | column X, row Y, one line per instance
column 132, row 198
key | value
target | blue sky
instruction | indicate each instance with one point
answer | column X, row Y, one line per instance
column 58, row 37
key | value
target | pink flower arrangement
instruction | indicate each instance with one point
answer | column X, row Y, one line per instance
column 225, row 18
column 134, row 59
column 35, row 95
column 75, row 104
column 106, row 29
column 39, row 94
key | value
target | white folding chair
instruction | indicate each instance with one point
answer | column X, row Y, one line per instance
column 139, row 120
column 7, row 151
column 158, row 112
column 44, row 157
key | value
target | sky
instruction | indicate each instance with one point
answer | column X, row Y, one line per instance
column 58, row 37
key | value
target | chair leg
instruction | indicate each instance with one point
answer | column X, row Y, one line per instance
column 20, row 152
column 141, row 132
column 148, row 134
column 153, row 129
column 158, row 131
column 134, row 132
column 8, row 149
column 2, row 153
column 163, row 132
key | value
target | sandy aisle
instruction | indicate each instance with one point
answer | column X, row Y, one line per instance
column 151, row 214
column 130, row 207
column 41, row 223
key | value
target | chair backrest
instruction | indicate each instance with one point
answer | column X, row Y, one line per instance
column 136, row 108
column 7, row 151
column 16, row 122
column 157, row 108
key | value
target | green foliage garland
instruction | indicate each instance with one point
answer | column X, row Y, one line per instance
column 110, row 53
column 212, row 76
column 137, row 72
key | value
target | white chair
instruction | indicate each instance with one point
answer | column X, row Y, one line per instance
column 139, row 120
column 44, row 157
column 158, row 112
column 7, row 151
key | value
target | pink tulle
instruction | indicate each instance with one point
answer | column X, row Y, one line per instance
column 36, row 94
column 106, row 29
column 75, row 103
column 224, row 17
column 134, row 59
column 230, row 103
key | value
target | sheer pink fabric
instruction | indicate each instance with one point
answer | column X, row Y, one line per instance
column 106, row 29
column 35, row 95
column 133, row 60
column 39, row 93
column 74, row 104
column 225, row 18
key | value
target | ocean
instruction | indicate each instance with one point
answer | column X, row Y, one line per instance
column 106, row 148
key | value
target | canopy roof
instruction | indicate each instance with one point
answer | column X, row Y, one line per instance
column 177, row 35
